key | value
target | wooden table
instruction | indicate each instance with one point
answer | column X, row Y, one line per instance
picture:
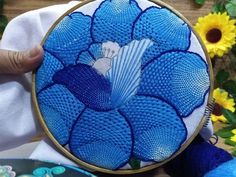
column 187, row 7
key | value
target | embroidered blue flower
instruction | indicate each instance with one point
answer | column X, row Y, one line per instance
column 47, row 172
column 119, row 84
column 6, row 171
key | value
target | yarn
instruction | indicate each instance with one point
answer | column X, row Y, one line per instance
column 228, row 169
column 197, row 160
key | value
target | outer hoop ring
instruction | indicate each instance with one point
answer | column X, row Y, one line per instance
column 121, row 172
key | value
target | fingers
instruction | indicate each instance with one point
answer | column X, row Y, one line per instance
column 20, row 62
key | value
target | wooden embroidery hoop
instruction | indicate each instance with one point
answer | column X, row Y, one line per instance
column 124, row 172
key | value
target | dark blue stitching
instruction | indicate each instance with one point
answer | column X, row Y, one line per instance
column 152, row 7
column 48, row 51
column 170, row 51
column 45, row 88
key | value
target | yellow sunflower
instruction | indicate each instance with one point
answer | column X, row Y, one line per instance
column 222, row 100
column 218, row 33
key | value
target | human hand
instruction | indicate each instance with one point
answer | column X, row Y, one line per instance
column 12, row 62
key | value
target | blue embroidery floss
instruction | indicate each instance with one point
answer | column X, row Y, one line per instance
column 199, row 159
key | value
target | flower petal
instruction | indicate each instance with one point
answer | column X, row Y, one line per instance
column 180, row 78
column 70, row 37
column 125, row 73
column 167, row 30
column 102, row 139
column 96, row 50
column 93, row 89
column 85, row 58
column 113, row 21
column 46, row 71
column 158, row 131
column 60, row 109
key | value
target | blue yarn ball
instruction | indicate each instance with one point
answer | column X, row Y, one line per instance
column 197, row 160
column 228, row 169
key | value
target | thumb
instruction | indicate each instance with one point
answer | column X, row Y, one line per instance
column 12, row 62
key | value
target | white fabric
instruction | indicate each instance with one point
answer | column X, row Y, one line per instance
column 17, row 120
column 18, row 124
column 46, row 152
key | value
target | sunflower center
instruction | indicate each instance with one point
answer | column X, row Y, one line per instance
column 214, row 35
column 217, row 110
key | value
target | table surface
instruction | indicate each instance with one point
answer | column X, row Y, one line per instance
column 188, row 8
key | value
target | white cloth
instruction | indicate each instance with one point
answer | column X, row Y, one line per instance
column 18, row 122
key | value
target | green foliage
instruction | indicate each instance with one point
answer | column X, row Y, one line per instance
column 234, row 153
column 234, row 50
column 3, row 24
column 230, row 86
column 226, row 132
column 229, row 142
column 3, row 19
column 218, row 7
column 230, row 116
column 1, row 4
column 231, row 8
column 222, row 76
column 200, row 2
column 135, row 163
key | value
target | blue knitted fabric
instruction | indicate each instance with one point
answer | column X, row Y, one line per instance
column 227, row 169
column 197, row 160
column 117, row 84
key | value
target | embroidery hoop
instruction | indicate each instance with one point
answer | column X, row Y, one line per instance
column 143, row 169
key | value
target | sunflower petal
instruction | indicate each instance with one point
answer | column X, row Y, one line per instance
column 180, row 78
column 158, row 131
column 102, row 139
column 167, row 31
column 60, row 109
column 70, row 37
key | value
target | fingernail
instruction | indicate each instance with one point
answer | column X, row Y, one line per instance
column 34, row 52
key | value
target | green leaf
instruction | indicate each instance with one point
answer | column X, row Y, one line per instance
column 218, row 7
column 225, row 132
column 200, row 2
column 230, row 86
column 234, row 153
column 135, row 163
column 3, row 24
column 234, row 50
column 1, row 4
column 229, row 142
column 230, row 116
column 231, row 8
column 222, row 76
